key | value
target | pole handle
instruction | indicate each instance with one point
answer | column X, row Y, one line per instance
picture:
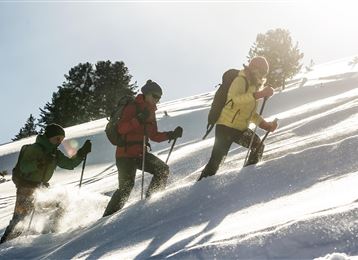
column 267, row 133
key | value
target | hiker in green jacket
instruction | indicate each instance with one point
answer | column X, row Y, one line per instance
column 35, row 167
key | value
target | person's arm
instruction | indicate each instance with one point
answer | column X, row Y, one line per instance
column 68, row 163
column 156, row 136
column 256, row 119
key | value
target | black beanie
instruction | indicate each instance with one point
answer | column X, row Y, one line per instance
column 151, row 88
column 54, row 130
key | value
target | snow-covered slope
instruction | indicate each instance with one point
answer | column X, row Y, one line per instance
column 300, row 202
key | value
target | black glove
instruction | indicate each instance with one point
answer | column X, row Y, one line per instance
column 177, row 133
column 85, row 149
column 143, row 115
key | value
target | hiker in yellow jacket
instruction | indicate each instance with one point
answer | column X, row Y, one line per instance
column 239, row 111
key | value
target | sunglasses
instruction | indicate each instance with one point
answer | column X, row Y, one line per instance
column 157, row 97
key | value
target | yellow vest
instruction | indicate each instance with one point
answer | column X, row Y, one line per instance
column 240, row 107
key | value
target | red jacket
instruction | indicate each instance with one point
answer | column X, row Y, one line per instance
column 130, row 128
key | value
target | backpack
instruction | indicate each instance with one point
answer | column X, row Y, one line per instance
column 17, row 174
column 111, row 128
column 220, row 97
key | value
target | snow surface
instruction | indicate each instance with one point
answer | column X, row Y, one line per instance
column 301, row 202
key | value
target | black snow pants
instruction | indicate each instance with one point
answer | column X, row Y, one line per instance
column 127, row 168
column 224, row 137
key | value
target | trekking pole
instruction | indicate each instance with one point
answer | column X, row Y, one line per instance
column 83, row 170
column 32, row 216
column 253, row 135
column 171, row 149
column 143, row 159
column 143, row 164
column 33, row 209
column 264, row 138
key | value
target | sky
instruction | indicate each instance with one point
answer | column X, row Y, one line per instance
column 184, row 46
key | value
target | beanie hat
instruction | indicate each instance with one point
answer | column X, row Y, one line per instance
column 151, row 88
column 259, row 63
column 54, row 130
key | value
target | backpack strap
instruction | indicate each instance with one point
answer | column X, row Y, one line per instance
column 246, row 82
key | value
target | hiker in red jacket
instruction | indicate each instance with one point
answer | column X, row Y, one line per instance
column 138, row 121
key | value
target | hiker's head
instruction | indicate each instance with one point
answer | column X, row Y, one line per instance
column 55, row 134
column 152, row 92
column 259, row 68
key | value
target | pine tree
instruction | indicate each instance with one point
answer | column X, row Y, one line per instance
column 69, row 104
column 28, row 130
column 47, row 115
column 112, row 82
column 87, row 94
column 284, row 58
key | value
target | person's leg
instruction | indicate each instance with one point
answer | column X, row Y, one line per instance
column 223, row 141
column 126, row 175
column 23, row 207
column 244, row 139
column 159, row 170
column 56, row 216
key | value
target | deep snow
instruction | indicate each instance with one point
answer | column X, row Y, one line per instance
column 301, row 202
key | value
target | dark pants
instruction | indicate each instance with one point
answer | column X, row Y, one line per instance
column 127, row 168
column 224, row 137
column 23, row 207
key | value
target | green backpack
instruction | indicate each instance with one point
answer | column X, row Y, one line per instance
column 17, row 174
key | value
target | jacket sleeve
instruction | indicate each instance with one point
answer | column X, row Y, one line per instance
column 128, row 121
column 256, row 119
column 67, row 163
column 31, row 159
column 238, row 92
column 157, row 136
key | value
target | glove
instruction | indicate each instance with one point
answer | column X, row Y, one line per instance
column 85, row 149
column 273, row 126
column 177, row 133
column 269, row 126
column 143, row 115
column 266, row 92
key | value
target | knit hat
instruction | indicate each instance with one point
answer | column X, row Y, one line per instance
column 54, row 130
column 259, row 63
column 151, row 88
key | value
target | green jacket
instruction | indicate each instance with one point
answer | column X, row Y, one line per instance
column 39, row 161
